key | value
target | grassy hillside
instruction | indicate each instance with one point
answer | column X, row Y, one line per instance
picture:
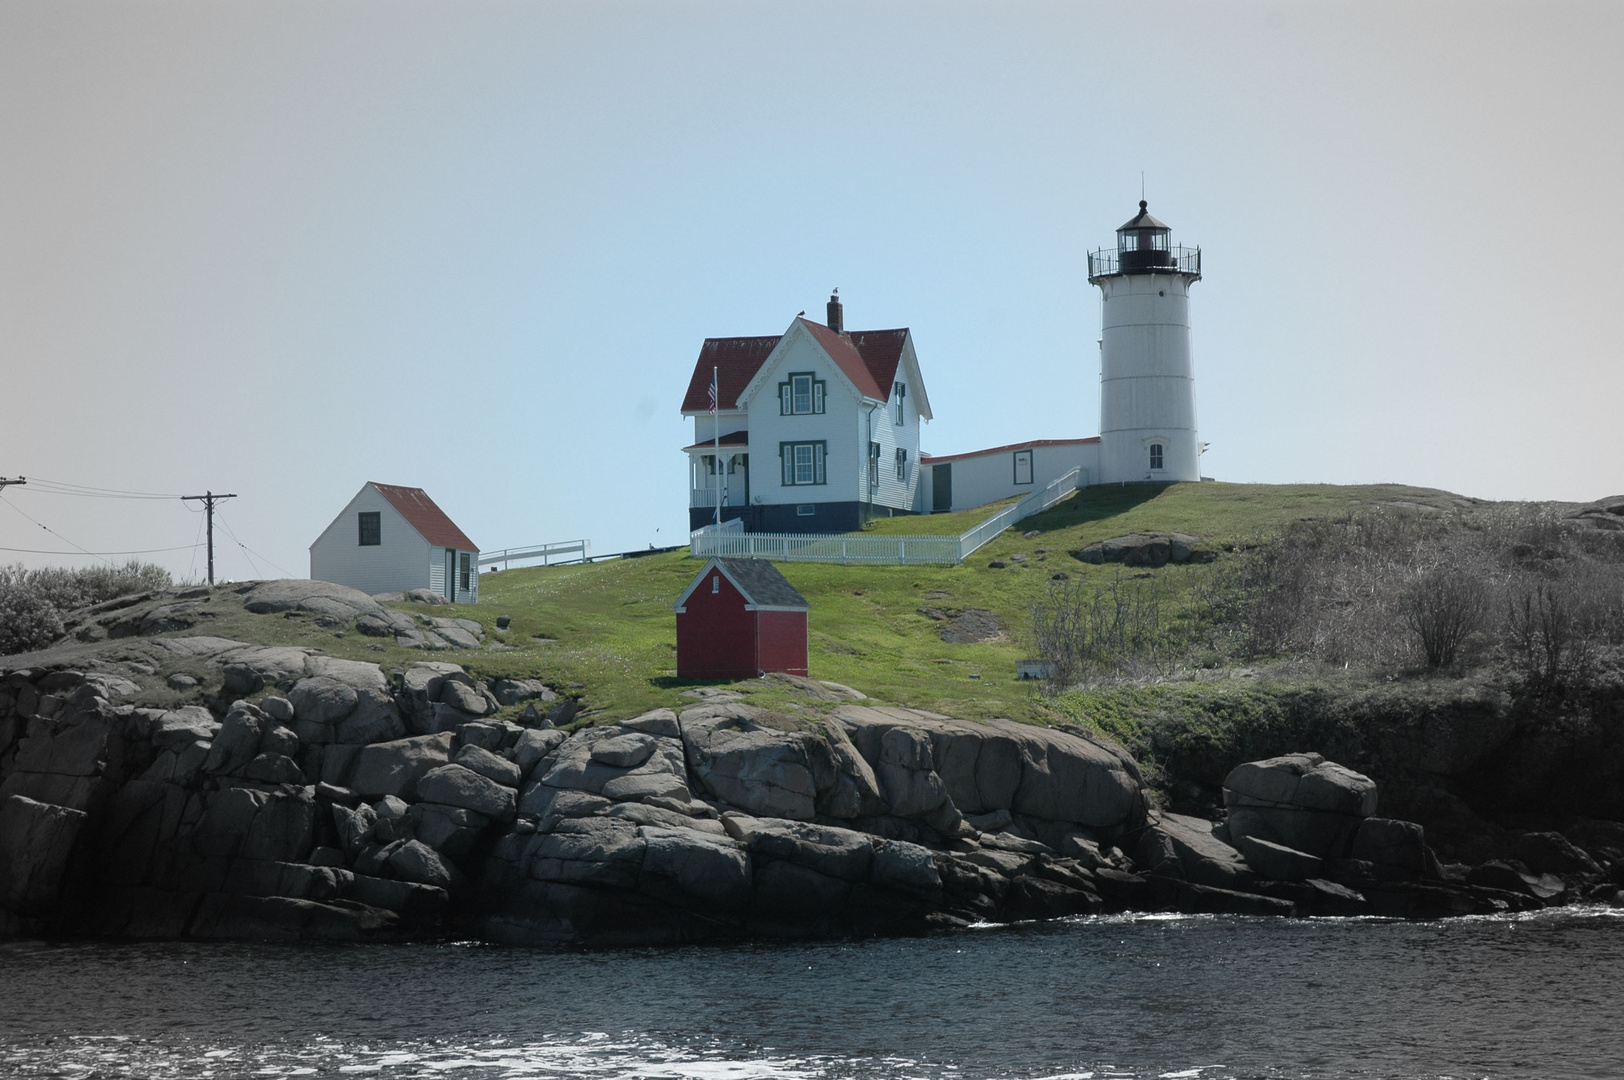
column 609, row 629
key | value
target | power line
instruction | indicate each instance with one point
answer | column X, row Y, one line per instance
column 248, row 550
column 99, row 554
column 61, row 487
column 50, row 530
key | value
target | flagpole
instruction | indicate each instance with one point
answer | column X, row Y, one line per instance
column 716, row 406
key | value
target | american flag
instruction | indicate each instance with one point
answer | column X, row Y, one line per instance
column 713, row 394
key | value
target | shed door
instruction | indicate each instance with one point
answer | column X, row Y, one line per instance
column 941, row 488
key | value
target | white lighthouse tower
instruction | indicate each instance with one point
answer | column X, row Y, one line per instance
column 1147, row 379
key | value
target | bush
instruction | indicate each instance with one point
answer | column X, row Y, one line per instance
column 28, row 620
column 1445, row 606
column 33, row 602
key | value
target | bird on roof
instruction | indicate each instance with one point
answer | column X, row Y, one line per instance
column 798, row 314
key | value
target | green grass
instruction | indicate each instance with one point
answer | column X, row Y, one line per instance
column 955, row 524
column 612, row 633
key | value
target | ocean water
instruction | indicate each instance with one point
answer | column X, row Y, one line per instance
column 1174, row 998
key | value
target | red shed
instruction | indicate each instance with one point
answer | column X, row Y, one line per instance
column 738, row 619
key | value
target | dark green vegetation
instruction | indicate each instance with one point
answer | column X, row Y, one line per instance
column 32, row 602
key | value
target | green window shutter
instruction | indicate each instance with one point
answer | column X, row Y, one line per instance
column 786, row 458
column 783, row 399
column 817, row 462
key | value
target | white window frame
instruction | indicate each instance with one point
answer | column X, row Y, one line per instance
column 902, row 463
column 803, row 470
column 791, row 398
column 900, row 393
column 1158, row 457
column 873, row 464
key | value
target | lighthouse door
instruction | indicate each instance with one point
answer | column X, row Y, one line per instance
column 941, row 488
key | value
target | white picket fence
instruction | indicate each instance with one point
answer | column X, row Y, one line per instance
column 730, row 541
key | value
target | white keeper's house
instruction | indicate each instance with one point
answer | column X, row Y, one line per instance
column 829, row 418
column 395, row 539
column 833, row 416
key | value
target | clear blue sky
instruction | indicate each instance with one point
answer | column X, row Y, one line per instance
column 281, row 249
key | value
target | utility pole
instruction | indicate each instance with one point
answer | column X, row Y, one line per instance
column 208, row 500
column 4, row 483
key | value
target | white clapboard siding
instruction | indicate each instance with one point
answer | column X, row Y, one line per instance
column 397, row 563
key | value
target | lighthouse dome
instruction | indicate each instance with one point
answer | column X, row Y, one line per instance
column 1144, row 244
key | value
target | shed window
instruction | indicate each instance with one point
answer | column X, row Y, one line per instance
column 1155, row 455
column 803, row 463
column 465, row 571
column 1023, row 466
column 371, row 530
column 801, row 395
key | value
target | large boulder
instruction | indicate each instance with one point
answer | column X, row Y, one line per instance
column 1146, row 549
column 35, row 842
column 317, row 597
column 661, row 771
column 1298, row 801
column 455, row 785
column 1173, row 845
column 395, row 767
column 760, row 770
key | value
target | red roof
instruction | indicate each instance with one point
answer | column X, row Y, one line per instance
column 736, row 360
column 429, row 520
column 732, row 438
column 937, row 459
column 869, row 358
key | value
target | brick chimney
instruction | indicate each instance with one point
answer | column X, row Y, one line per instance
column 837, row 320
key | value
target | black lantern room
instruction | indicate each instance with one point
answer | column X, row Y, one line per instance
column 1144, row 245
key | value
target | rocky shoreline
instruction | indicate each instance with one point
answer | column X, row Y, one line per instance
column 311, row 798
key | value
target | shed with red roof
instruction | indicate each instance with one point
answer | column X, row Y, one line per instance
column 740, row 618
column 395, row 539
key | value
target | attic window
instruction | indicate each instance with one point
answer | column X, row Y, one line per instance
column 899, row 393
column 801, row 395
column 716, row 583
column 371, row 530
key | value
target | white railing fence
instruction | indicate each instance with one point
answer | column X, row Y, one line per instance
column 547, row 553
column 729, row 540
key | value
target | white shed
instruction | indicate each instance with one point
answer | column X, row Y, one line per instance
column 393, row 539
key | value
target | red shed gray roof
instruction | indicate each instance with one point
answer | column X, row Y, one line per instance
column 762, row 584
column 428, row 519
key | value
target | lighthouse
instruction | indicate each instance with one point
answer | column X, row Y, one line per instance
column 1147, row 378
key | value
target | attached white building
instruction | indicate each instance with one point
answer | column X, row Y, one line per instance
column 963, row 481
column 393, row 539
column 828, row 418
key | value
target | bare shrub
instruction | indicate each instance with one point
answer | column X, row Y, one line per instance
column 1444, row 607
column 1126, row 627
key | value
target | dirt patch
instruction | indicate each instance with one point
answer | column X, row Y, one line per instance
column 968, row 627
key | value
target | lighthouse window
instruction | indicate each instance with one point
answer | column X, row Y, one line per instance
column 1155, row 455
